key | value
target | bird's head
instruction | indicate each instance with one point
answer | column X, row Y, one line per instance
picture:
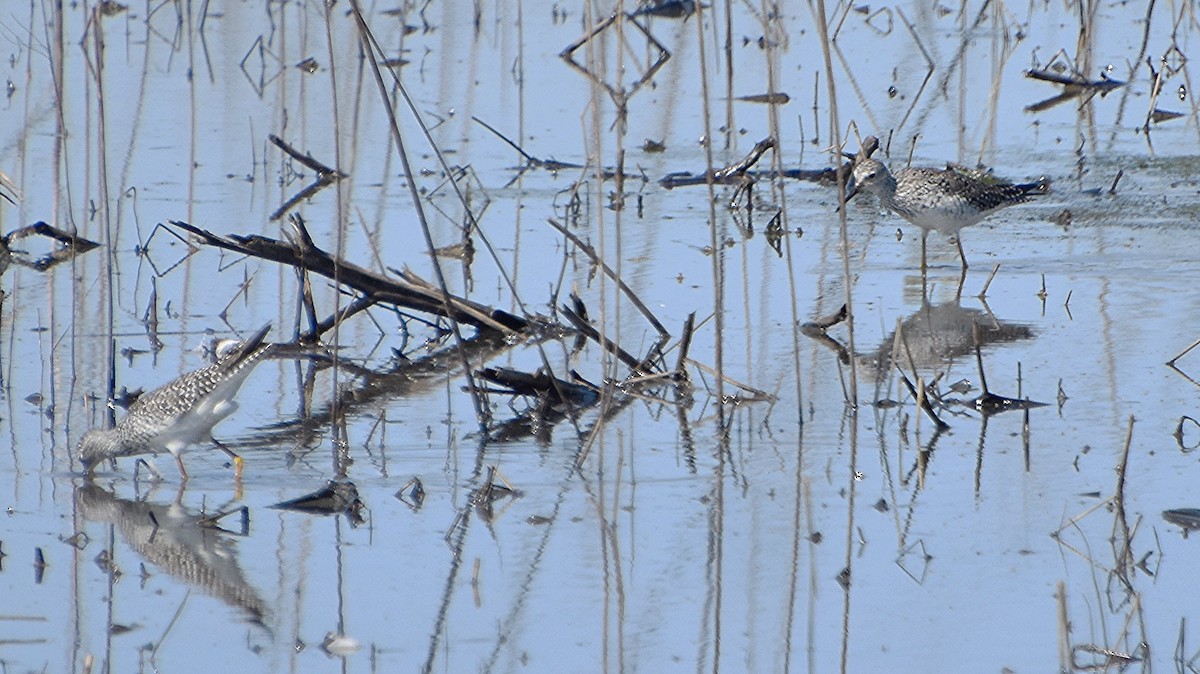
column 94, row 447
column 868, row 174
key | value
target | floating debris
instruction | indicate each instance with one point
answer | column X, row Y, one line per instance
column 340, row 645
column 1185, row 518
column 990, row 403
column 336, row 497
column 1160, row 115
column 734, row 174
column 961, row 387
column 542, row 385
column 825, row 322
column 654, row 146
column 1102, row 85
column 1110, row 657
column 666, row 9
column 495, row 489
column 111, row 8
column 777, row 98
column 70, row 246
column 412, row 493
column 1074, row 86
column 464, row 251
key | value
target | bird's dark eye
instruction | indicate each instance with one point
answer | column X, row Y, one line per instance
column 870, row 175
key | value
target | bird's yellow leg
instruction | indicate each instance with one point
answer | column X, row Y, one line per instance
column 238, row 463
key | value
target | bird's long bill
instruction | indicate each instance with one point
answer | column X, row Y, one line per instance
column 851, row 189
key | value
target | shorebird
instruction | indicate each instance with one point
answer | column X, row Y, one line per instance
column 180, row 413
column 945, row 200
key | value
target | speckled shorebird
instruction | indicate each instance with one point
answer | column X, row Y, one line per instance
column 181, row 413
column 942, row 199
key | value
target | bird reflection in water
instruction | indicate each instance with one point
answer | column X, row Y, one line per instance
column 931, row 338
column 189, row 547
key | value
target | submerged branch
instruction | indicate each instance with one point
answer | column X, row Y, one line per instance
column 409, row 292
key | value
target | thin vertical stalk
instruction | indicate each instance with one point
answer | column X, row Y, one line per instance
column 835, row 150
column 104, row 213
column 852, row 404
column 340, row 441
column 717, row 510
column 730, row 126
column 482, row 414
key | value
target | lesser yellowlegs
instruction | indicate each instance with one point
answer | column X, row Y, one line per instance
column 181, row 413
column 945, row 200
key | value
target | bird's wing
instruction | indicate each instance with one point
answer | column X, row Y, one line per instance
column 983, row 196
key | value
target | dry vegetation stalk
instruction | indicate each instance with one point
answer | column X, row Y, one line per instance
column 482, row 412
column 608, row 271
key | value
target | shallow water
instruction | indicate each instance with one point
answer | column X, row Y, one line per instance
column 800, row 533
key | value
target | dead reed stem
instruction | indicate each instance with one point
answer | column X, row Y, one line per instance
column 482, row 412
column 584, row 247
column 930, row 67
column 988, row 283
column 757, row 393
column 472, row 224
column 1064, row 628
column 685, row 343
column 835, row 152
column 822, row 22
column 586, row 329
column 1122, row 466
column 717, row 510
column 979, row 358
column 1183, row 353
column 408, row 291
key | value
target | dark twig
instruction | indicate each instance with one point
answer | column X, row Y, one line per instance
column 306, row 159
column 737, row 173
column 551, row 165
column 1123, row 465
column 685, row 343
column 825, row 322
column 1113, row 189
column 581, row 324
column 924, row 402
column 591, row 253
column 1183, row 353
column 325, row 176
column 71, row 246
column 407, row 293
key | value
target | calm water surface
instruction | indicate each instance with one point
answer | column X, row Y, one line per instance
column 801, row 528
